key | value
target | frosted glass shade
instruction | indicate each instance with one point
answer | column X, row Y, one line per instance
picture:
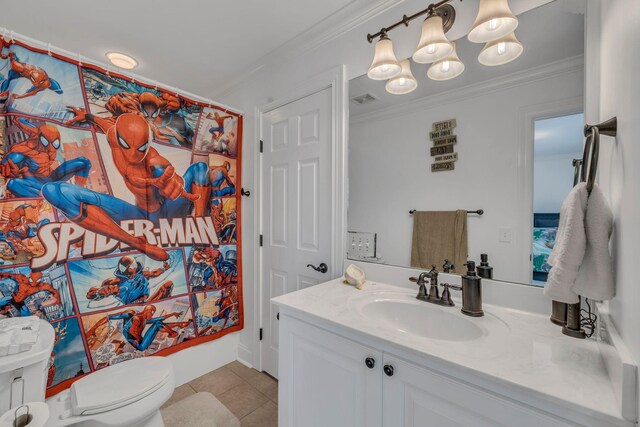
column 433, row 43
column 447, row 68
column 403, row 82
column 501, row 51
column 384, row 64
column 494, row 20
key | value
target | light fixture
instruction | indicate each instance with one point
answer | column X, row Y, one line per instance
column 501, row 51
column 447, row 68
column 384, row 65
column 121, row 60
column 494, row 26
column 433, row 43
column 494, row 20
column 403, row 82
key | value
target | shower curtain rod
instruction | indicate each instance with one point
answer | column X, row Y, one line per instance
column 11, row 35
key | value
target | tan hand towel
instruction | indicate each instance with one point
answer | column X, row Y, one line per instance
column 438, row 236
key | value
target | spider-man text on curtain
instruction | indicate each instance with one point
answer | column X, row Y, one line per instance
column 119, row 212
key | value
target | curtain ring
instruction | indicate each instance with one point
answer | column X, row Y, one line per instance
column 107, row 70
column 79, row 60
column 11, row 37
column 49, row 49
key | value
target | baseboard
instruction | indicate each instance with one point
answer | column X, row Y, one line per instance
column 620, row 365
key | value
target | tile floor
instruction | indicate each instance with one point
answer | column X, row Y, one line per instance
column 251, row 395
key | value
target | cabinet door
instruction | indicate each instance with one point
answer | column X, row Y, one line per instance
column 416, row 397
column 325, row 380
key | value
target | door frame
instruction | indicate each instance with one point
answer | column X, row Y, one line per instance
column 528, row 117
column 336, row 80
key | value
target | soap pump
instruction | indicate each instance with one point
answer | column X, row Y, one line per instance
column 471, row 292
column 484, row 270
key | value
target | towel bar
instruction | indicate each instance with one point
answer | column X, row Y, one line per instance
column 477, row 212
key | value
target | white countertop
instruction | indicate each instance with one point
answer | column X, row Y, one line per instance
column 526, row 353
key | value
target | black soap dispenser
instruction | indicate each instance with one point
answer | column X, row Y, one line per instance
column 472, row 292
column 484, row 270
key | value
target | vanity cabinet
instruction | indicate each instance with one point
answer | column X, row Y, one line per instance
column 413, row 396
column 329, row 380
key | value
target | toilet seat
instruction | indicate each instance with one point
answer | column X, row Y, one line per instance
column 119, row 385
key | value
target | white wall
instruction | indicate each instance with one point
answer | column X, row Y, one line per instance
column 390, row 170
column 552, row 181
column 277, row 79
column 614, row 87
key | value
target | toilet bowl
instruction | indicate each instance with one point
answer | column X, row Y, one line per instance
column 127, row 394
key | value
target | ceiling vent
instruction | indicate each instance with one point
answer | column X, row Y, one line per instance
column 364, row 99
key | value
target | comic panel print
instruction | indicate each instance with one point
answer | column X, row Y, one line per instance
column 172, row 119
column 179, row 159
column 222, row 173
column 45, row 294
column 69, row 358
column 38, row 84
column 115, row 281
column 211, row 268
column 216, row 311
column 40, row 151
column 224, row 215
column 19, row 223
column 217, row 132
column 137, row 331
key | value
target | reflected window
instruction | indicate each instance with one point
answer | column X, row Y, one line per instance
column 557, row 142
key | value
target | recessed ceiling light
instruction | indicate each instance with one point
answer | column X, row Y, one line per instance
column 122, row 61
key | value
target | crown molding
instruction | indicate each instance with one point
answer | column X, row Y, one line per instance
column 519, row 78
column 339, row 23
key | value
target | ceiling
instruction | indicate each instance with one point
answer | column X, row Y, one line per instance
column 195, row 45
column 549, row 33
column 559, row 135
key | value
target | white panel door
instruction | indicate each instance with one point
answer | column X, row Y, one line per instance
column 327, row 380
column 416, row 397
column 296, row 206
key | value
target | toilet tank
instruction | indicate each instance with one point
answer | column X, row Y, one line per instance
column 31, row 366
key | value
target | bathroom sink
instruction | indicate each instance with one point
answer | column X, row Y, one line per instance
column 405, row 314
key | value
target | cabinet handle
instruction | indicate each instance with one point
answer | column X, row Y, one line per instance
column 388, row 370
column 370, row 362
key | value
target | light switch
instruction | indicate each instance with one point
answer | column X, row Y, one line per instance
column 361, row 245
column 504, row 235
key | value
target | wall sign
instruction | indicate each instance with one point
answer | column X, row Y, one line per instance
column 443, row 141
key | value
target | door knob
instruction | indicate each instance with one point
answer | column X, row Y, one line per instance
column 322, row 268
column 370, row 362
column 388, row 370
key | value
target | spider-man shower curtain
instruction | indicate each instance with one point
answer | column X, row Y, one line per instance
column 119, row 207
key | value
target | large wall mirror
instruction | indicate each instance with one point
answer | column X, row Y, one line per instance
column 518, row 128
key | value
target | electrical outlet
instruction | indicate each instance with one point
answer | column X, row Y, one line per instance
column 504, row 235
column 361, row 245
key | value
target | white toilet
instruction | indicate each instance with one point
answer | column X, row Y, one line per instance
column 127, row 394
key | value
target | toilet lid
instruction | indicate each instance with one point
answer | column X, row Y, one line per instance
column 119, row 385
